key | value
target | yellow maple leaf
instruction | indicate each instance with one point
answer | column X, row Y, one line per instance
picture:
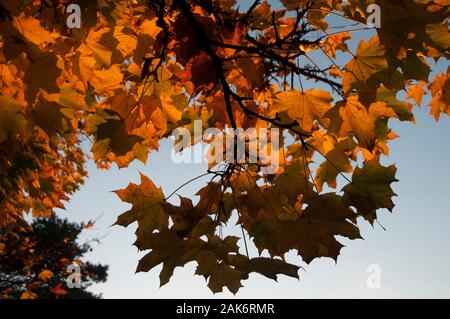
column 368, row 60
column 351, row 116
column 416, row 92
column 440, row 90
column 32, row 30
column 304, row 107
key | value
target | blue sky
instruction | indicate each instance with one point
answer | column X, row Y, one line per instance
column 413, row 253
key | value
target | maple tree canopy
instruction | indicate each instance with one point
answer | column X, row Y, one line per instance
column 137, row 70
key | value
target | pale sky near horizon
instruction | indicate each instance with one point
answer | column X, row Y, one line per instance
column 413, row 253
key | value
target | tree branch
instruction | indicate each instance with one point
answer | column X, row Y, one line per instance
column 185, row 8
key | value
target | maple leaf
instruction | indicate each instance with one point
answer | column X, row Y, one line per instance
column 368, row 60
column 73, row 96
column 12, row 119
column 199, row 70
column 210, row 198
column 440, row 90
column 220, row 274
column 147, row 210
column 224, row 275
column 312, row 234
column 416, row 92
column 50, row 117
column 206, row 226
column 277, row 201
column 405, row 26
column 93, row 47
column 24, row 34
column 127, row 106
column 414, row 66
column 127, row 41
column 32, row 29
column 169, row 249
column 265, row 266
column 337, row 161
column 108, row 80
column 370, row 189
column 351, row 116
column 439, row 34
column 112, row 135
column 168, row 96
column 184, row 217
column 189, row 44
column 192, row 220
column 336, row 42
column 304, row 107
column 248, row 74
column 262, row 16
column 41, row 73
